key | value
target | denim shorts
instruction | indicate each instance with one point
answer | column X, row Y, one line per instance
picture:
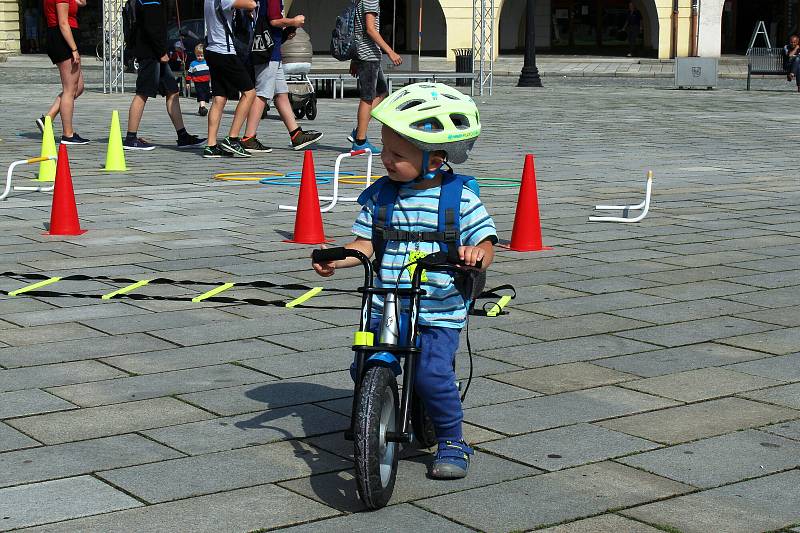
column 371, row 81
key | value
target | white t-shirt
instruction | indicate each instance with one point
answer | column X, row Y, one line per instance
column 217, row 37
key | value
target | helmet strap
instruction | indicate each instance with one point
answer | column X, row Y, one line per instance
column 426, row 173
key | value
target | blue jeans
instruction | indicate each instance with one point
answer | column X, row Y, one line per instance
column 435, row 380
column 794, row 68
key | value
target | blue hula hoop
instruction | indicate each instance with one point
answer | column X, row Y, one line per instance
column 294, row 178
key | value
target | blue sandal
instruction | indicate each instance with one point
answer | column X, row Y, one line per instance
column 452, row 460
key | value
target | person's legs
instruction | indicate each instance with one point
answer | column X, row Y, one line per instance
column 174, row 110
column 214, row 118
column 241, row 111
column 373, row 90
column 795, row 69
column 70, row 74
column 55, row 109
column 254, row 116
column 135, row 112
column 435, row 380
column 285, row 111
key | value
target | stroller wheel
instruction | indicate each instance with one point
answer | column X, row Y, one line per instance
column 311, row 109
column 299, row 113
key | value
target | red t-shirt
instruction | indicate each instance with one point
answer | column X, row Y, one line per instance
column 50, row 12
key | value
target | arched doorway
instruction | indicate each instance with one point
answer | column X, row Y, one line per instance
column 591, row 27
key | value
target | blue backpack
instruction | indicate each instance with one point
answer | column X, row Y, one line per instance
column 343, row 38
column 448, row 232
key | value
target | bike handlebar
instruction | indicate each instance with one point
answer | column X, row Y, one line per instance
column 431, row 261
column 331, row 254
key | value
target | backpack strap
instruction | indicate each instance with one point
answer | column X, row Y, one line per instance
column 221, row 16
column 449, row 229
column 448, row 233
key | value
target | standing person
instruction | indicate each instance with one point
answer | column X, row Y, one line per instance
column 271, row 84
column 367, row 68
column 198, row 75
column 62, row 48
column 155, row 77
column 633, row 25
column 229, row 76
column 32, row 28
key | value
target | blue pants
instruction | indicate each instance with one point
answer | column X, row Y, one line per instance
column 435, row 380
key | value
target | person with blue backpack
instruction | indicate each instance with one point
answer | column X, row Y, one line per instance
column 356, row 38
column 423, row 207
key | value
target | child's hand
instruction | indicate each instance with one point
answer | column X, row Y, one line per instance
column 470, row 255
column 326, row 269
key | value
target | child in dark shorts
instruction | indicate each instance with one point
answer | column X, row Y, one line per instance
column 200, row 77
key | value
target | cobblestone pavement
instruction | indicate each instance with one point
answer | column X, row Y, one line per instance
column 647, row 377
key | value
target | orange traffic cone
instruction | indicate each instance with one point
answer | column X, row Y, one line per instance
column 308, row 221
column 64, row 214
column 527, row 233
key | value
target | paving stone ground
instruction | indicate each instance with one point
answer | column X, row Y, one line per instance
column 646, row 378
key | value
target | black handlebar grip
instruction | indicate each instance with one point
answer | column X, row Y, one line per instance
column 329, row 254
column 478, row 264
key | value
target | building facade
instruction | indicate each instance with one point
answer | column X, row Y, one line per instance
column 583, row 27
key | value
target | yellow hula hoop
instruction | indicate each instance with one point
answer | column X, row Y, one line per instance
column 243, row 176
column 357, row 180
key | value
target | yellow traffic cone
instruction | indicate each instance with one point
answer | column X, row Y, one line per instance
column 115, row 157
column 47, row 169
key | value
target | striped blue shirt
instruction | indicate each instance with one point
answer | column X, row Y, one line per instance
column 418, row 210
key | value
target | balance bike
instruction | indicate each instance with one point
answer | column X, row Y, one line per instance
column 380, row 416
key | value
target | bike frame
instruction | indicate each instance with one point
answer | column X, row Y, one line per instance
column 407, row 348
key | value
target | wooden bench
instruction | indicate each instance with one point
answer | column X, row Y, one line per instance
column 765, row 61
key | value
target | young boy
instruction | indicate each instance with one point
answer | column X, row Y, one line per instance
column 198, row 74
column 424, row 126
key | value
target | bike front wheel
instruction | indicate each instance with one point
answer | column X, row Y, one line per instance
column 375, row 456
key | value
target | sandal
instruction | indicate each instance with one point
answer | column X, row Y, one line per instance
column 452, row 460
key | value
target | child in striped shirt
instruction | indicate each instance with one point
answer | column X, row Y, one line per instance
column 425, row 125
column 199, row 75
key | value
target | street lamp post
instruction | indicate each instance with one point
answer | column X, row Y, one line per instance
column 529, row 77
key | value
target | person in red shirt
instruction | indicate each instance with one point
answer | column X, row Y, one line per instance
column 62, row 48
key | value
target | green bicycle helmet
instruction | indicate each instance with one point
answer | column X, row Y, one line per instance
column 432, row 116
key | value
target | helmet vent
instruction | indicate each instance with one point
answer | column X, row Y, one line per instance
column 431, row 125
column 460, row 121
column 450, row 96
column 408, row 105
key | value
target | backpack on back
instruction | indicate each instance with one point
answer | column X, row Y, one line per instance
column 448, row 233
column 343, row 38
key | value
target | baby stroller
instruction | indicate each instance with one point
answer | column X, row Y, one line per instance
column 297, row 53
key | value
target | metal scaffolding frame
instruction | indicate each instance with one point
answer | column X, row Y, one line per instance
column 483, row 43
column 113, row 47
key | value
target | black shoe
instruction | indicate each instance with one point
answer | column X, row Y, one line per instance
column 215, row 151
column 40, row 123
column 252, row 144
column 137, row 144
column 190, row 141
column 302, row 139
column 75, row 139
column 203, row 111
column 234, row 147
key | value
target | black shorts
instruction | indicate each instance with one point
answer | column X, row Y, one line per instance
column 155, row 78
column 371, row 81
column 229, row 76
column 57, row 48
